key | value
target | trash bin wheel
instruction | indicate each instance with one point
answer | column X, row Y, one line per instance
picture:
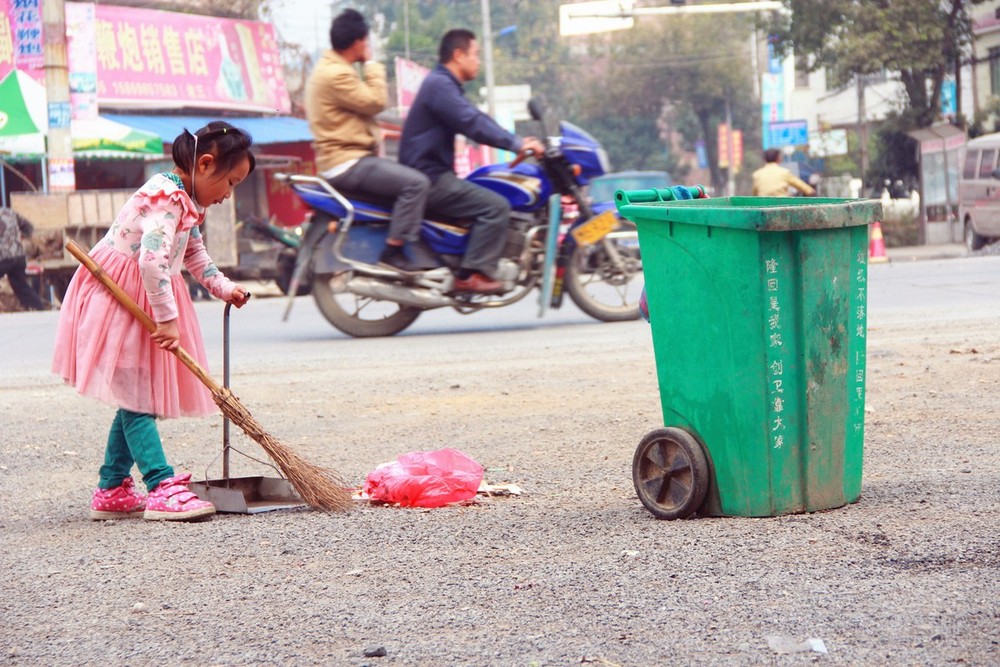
column 670, row 473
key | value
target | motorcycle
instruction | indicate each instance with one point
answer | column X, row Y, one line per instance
column 595, row 258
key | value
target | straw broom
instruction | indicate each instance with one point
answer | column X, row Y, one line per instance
column 321, row 488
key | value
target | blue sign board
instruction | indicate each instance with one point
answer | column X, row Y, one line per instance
column 774, row 65
column 788, row 133
column 948, row 97
column 59, row 115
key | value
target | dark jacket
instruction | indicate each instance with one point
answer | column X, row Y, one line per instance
column 439, row 112
column 12, row 227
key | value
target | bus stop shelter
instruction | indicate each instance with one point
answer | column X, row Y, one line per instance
column 939, row 152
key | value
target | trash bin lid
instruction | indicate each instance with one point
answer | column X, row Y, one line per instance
column 762, row 214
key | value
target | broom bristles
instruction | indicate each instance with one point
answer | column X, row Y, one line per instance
column 321, row 488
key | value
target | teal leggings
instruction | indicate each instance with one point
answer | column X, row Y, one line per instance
column 134, row 439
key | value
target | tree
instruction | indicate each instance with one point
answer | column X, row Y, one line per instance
column 680, row 71
column 921, row 40
column 893, row 157
column 636, row 91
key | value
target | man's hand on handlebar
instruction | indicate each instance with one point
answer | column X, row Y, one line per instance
column 530, row 147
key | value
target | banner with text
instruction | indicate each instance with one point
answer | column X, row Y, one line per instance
column 21, row 38
column 156, row 59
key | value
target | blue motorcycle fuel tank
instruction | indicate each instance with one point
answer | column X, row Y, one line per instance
column 525, row 186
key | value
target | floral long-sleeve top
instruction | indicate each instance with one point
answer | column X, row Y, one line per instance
column 159, row 228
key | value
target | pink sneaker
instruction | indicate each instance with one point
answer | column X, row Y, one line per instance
column 121, row 502
column 171, row 500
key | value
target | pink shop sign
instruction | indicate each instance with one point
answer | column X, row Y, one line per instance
column 164, row 60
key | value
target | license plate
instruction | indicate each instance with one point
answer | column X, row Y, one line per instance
column 595, row 229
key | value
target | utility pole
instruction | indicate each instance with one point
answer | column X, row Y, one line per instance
column 862, row 125
column 59, row 142
column 958, row 92
column 406, row 28
column 488, row 57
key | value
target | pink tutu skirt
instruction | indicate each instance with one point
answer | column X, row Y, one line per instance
column 105, row 353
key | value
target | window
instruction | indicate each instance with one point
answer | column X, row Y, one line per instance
column 801, row 71
column 971, row 160
column 833, row 80
column 994, row 57
column 986, row 168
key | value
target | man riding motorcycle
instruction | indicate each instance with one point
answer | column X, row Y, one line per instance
column 341, row 108
column 439, row 112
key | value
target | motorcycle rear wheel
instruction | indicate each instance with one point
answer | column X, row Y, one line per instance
column 360, row 316
column 600, row 289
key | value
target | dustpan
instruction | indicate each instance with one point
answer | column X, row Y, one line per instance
column 243, row 495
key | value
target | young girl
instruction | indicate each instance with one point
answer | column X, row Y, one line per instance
column 103, row 351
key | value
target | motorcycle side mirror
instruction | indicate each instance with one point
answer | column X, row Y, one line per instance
column 535, row 108
column 537, row 111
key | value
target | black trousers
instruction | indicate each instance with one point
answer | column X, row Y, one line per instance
column 14, row 270
column 459, row 198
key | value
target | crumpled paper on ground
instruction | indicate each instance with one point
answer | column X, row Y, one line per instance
column 784, row 645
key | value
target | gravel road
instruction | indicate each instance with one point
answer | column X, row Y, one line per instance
column 575, row 571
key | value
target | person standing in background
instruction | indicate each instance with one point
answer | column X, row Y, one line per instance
column 773, row 180
column 13, row 227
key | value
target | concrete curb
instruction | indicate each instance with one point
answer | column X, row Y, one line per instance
column 926, row 252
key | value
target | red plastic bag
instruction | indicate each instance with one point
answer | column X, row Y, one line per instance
column 425, row 479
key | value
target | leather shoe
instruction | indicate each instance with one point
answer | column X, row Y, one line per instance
column 478, row 283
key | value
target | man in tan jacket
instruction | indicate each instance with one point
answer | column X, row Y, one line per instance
column 773, row 180
column 341, row 108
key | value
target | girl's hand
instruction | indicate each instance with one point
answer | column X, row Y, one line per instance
column 239, row 297
column 167, row 335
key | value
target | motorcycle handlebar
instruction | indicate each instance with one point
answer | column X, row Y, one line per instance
column 520, row 157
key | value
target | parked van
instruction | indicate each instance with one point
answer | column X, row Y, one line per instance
column 979, row 191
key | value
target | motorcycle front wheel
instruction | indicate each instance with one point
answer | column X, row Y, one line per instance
column 359, row 316
column 605, row 279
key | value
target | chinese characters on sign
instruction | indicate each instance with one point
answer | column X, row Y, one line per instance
column 168, row 60
column 21, row 38
column 857, row 395
column 776, row 364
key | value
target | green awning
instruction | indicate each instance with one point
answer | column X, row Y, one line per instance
column 22, row 105
column 24, row 125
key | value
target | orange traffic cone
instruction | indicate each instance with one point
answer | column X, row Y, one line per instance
column 876, row 245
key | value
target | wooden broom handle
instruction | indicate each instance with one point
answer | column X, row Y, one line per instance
column 139, row 314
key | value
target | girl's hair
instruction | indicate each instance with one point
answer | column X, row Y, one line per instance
column 227, row 144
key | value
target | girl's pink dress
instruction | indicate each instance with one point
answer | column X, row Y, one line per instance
column 101, row 349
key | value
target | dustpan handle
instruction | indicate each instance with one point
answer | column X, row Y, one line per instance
column 225, row 383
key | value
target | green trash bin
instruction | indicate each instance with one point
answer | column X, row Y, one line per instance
column 757, row 308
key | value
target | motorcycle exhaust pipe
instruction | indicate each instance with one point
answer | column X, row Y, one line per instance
column 406, row 296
